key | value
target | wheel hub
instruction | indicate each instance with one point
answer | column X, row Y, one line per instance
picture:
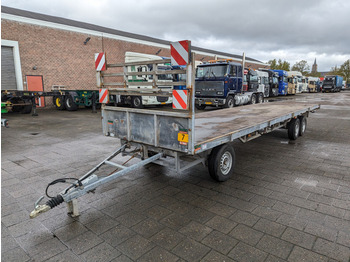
column 226, row 163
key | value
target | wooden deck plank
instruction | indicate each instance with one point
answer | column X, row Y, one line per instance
column 213, row 124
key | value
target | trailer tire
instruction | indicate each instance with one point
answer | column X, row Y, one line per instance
column 58, row 101
column 221, row 162
column 200, row 107
column 136, row 102
column 253, row 99
column 303, row 124
column 70, row 104
column 27, row 108
column 260, row 98
column 294, row 129
column 230, row 102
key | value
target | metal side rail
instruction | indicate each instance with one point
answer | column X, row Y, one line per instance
column 88, row 183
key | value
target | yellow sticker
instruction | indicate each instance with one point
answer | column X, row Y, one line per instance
column 182, row 136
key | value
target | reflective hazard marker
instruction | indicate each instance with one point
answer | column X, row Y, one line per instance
column 180, row 52
column 180, row 99
column 103, row 96
column 100, row 61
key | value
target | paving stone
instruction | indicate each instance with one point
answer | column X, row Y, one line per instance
column 175, row 221
column 117, row 235
column 301, row 254
column 299, row 238
column 70, row 231
column 191, row 250
column 344, row 238
column 221, row 224
column 200, row 215
column 244, row 218
column 8, row 243
column 321, row 231
column 46, row 250
column 16, row 254
column 220, row 242
column 131, row 218
column 275, row 246
column 158, row 254
column 222, row 210
column 245, row 253
column 267, row 213
column 167, row 238
column 83, row 242
column 148, row 227
column 195, row 230
column 157, row 212
column 332, row 250
column 102, row 224
column 135, row 247
column 272, row 258
column 102, row 252
column 269, row 227
column 246, row 234
column 286, row 208
column 66, row 256
column 214, row 256
column 122, row 258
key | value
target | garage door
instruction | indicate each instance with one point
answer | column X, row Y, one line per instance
column 8, row 76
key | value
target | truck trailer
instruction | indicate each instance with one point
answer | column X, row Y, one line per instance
column 177, row 139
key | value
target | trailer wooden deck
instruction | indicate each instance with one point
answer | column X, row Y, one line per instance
column 215, row 124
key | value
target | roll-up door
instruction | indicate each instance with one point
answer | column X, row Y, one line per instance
column 8, row 75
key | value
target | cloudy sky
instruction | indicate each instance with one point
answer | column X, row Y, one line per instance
column 263, row 29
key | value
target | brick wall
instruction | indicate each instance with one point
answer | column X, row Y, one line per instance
column 62, row 58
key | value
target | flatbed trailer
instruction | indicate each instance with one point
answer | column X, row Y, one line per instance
column 178, row 139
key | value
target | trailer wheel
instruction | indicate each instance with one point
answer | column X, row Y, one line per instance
column 70, row 104
column 294, row 129
column 200, row 107
column 260, row 98
column 58, row 101
column 253, row 99
column 303, row 124
column 136, row 102
column 221, row 162
column 27, row 108
column 230, row 102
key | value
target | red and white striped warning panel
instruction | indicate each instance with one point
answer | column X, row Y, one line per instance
column 180, row 99
column 103, row 96
column 180, row 52
column 100, row 61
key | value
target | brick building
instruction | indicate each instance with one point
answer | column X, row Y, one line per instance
column 62, row 50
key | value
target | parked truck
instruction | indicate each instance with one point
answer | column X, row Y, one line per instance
column 312, row 84
column 220, row 83
column 264, row 83
column 282, row 82
column 178, row 139
column 140, row 101
column 292, row 83
column 332, row 83
column 273, row 81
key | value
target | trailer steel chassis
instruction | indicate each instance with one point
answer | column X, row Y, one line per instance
column 32, row 96
column 175, row 138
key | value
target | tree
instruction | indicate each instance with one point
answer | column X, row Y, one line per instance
column 345, row 70
column 282, row 65
column 301, row 66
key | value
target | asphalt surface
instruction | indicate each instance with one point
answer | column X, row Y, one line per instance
column 288, row 200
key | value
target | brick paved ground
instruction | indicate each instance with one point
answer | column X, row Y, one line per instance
column 288, row 201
